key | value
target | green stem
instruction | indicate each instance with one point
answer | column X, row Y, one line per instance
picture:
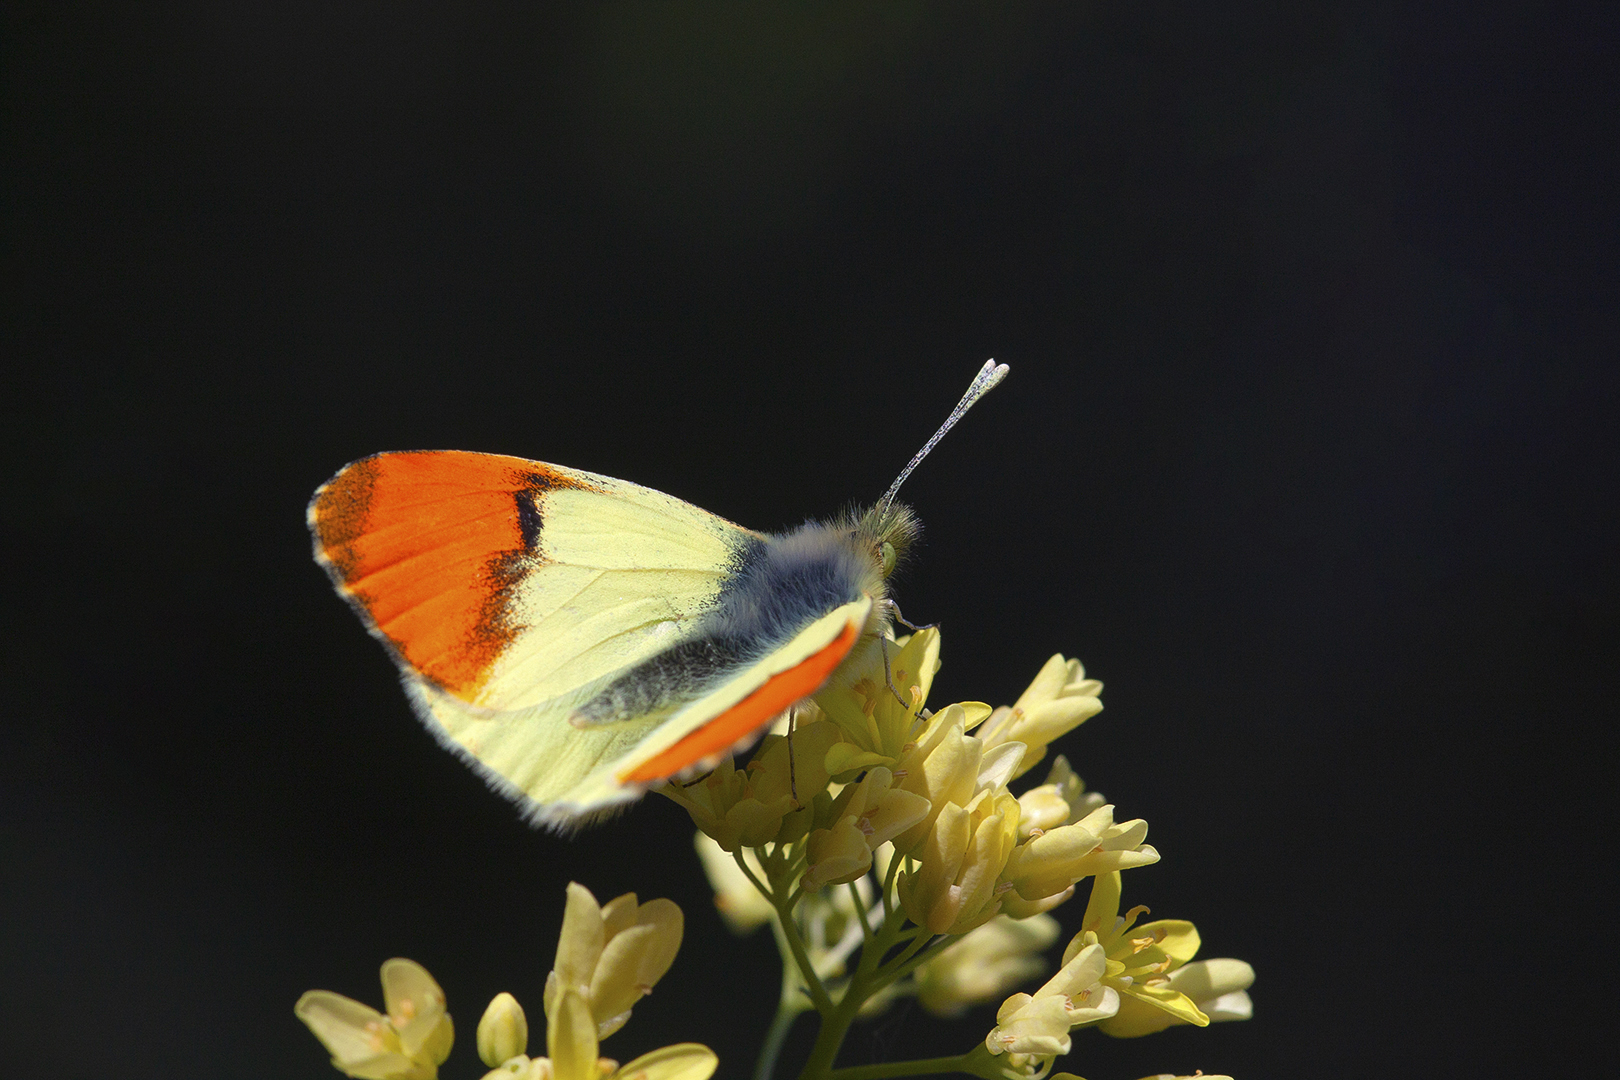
column 787, row 933
column 796, row 895
column 923, row 1067
column 907, row 963
column 796, row 946
column 801, row 959
column 867, row 978
column 860, row 910
column 742, row 864
column 918, row 941
column 834, row 1027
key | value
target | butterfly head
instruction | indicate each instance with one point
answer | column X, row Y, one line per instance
column 889, row 530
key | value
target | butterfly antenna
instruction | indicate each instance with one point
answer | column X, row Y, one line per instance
column 983, row 382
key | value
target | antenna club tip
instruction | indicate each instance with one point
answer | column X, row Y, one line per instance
column 989, row 375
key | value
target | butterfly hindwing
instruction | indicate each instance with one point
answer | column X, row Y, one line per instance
column 571, row 771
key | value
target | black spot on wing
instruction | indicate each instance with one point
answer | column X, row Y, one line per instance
column 530, row 523
column 530, row 488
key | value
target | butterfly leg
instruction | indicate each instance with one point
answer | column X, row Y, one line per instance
column 883, row 647
column 894, row 610
column 793, row 779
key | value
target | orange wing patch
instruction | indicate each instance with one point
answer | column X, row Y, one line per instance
column 428, row 547
column 750, row 714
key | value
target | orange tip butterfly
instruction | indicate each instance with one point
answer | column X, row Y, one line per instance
column 580, row 639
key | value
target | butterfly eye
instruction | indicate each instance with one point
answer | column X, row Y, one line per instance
column 889, row 558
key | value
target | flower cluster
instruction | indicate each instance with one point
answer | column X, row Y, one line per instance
column 948, row 876
column 884, row 846
column 609, row 956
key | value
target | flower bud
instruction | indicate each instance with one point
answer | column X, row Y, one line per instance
column 1040, row 809
column 837, row 855
column 953, row 888
column 503, row 1033
column 866, row 815
column 943, row 768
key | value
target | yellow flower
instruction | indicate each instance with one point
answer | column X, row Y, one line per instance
column 837, row 855
column 988, row 961
column 572, row 1047
column 503, row 1033
column 865, row 815
column 1217, row 988
column 1149, row 966
column 1040, row 809
column 876, row 726
column 953, row 887
column 612, row 954
column 1059, row 700
column 948, row 766
column 408, row 1043
column 1039, row 1023
column 746, row 807
column 738, row 902
column 521, row 1067
column 1052, row 862
column 1073, row 790
column 1062, row 800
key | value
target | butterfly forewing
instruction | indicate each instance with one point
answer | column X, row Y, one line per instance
column 517, row 597
column 509, row 583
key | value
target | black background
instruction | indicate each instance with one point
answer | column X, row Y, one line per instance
column 1307, row 452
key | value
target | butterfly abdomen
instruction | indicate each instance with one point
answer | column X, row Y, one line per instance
column 659, row 684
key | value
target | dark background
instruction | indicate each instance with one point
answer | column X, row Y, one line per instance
column 1307, row 452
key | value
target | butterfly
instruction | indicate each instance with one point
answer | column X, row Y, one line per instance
column 580, row 639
